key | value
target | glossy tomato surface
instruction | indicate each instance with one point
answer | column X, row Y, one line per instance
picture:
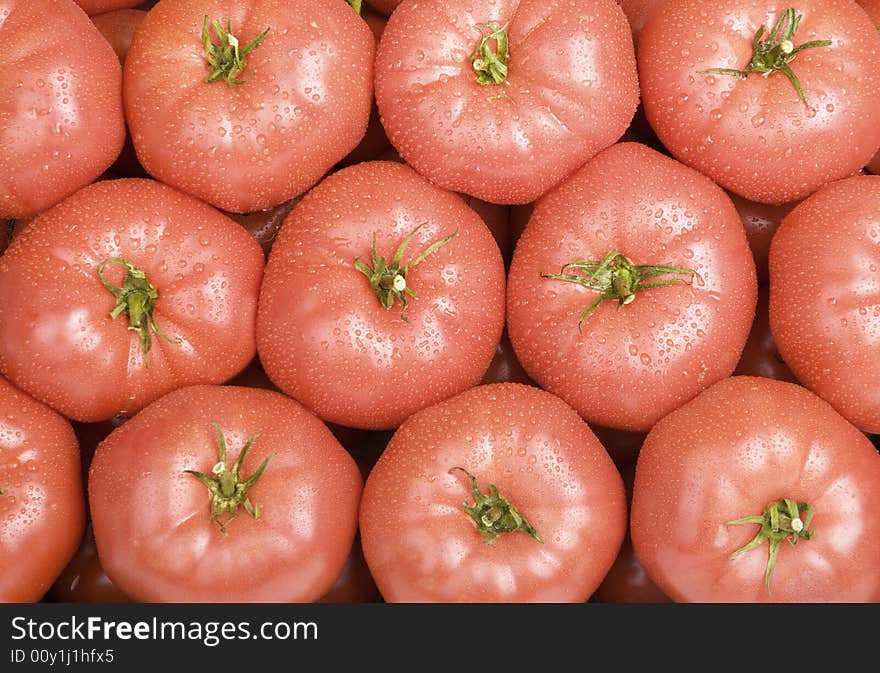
column 153, row 520
column 323, row 335
column 754, row 135
column 626, row 366
column 570, row 90
column 61, row 122
column 58, row 339
column 42, row 509
column 637, row 13
column 118, row 28
column 741, row 445
column 825, row 296
column 421, row 544
column 872, row 7
column 302, row 103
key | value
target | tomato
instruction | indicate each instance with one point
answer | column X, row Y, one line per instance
column 118, row 28
column 354, row 584
column 272, row 122
column 759, row 136
column 627, row 581
column 520, row 461
column 42, row 509
column 61, row 122
column 761, row 220
column 765, row 451
column 178, row 307
column 825, row 296
column 637, row 13
column 468, row 120
column 760, row 357
column 630, row 217
column 872, row 7
column 263, row 225
column 166, row 534
column 84, row 580
column 93, row 7
column 384, row 6
column 365, row 357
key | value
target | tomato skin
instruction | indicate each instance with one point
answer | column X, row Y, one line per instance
column 761, row 357
column 384, row 6
column 625, row 367
column 354, row 584
column 505, row 368
column 42, row 509
column 422, row 547
column 323, row 336
column 571, row 91
column 872, row 7
column 637, row 13
column 250, row 146
column 761, row 220
column 740, row 445
column 153, row 529
column 263, row 225
column 755, row 136
column 825, row 298
column 118, row 28
column 84, row 580
column 92, row 7
column 61, row 122
column 206, row 269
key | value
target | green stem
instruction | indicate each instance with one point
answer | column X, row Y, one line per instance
column 388, row 280
column 490, row 64
column 135, row 299
column 228, row 488
column 775, row 52
column 616, row 277
column 492, row 514
column 227, row 60
column 782, row 520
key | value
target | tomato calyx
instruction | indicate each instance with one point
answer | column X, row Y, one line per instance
column 775, row 52
column 227, row 60
column 490, row 65
column 494, row 515
column 388, row 280
column 617, row 277
column 782, row 520
column 136, row 299
column 228, row 488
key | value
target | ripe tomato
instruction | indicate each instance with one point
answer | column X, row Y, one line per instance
column 633, row 217
column 275, row 119
column 165, row 535
column 84, row 580
column 179, row 306
column 468, row 120
column 872, row 7
column 825, row 296
column 42, row 509
column 118, row 28
column 742, row 449
column 759, row 136
column 760, row 357
column 550, row 531
column 761, row 220
column 332, row 331
column 92, row 7
column 637, row 13
column 61, row 122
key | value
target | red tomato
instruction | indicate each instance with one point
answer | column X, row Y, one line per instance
column 825, row 296
column 332, row 331
column 761, row 221
column 627, row 581
column 468, row 120
column 92, row 7
column 275, row 524
column 756, row 135
column 549, row 501
column 760, row 357
column 740, row 450
column 182, row 312
column 61, row 122
column 872, row 7
column 84, row 580
column 354, row 584
column 633, row 217
column 118, row 28
column 273, row 122
column 42, row 509
column 637, row 13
